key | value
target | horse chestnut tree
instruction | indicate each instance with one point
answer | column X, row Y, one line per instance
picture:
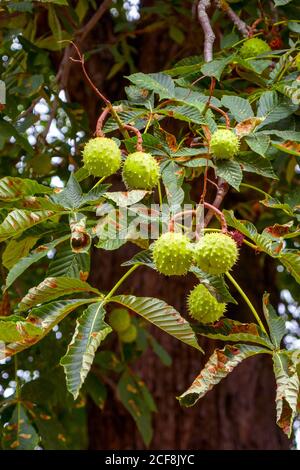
column 173, row 145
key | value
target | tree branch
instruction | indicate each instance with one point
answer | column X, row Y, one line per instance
column 87, row 28
column 63, row 73
column 209, row 35
column 221, row 193
column 240, row 24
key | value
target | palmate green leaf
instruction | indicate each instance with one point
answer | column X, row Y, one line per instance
column 230, row 330
column 52, row 288
column 219, row 365
column 287, row 391
column 20, row 220
column 44, row 317
column 17, row 249
column 138, row 401
column 33, row 257
column 215, row 284
column 240, row 108
column 158, row 82
column 231, row 172
column 12, row 189
column 66, row 263
column 275, row 322
column 253, row 163
column 161, row 315
column 90, row 331
column 19, row 434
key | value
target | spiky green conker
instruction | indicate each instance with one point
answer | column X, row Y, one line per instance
column 216, row 253
column 172, row 254
column 203, row 306
column 140, row 171
column 224, row 144
column 297, row 61
column 119, row 319
column 101, row 156
column 129, row 335
column 254, row 47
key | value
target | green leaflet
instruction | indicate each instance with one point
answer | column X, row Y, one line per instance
column 287, row 391
column 230, row 330
column 52, row 288
column 90, row 331
column 20, row 220
column 66, row 263
column 161, row 315
column 43, row 318
column 19, row 434
column 17, row 249
column 33, row 257
column 239, row 107
column 275, row 322
column 126, row 198
column 12, row 189
column 138, row 401
column 158, row 82
column 14, row 328
column 219, row 365
column 231, row 172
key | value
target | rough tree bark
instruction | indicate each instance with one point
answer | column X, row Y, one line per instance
column 240, row 412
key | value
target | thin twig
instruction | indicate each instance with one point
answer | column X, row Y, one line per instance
column 99, row 132
column 221, row 111
column 221, row 193
column 112, row 110
column 139, row 144
column 209, row 35
column 240, row 24
column 218, row 213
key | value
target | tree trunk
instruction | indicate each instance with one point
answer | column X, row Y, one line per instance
column 239, row 413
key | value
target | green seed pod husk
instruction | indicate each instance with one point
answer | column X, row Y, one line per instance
column 101, row 157
column 172, row 254
column 203, row 306
column 216, row 253
column 224, row 144
column 140, row 171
